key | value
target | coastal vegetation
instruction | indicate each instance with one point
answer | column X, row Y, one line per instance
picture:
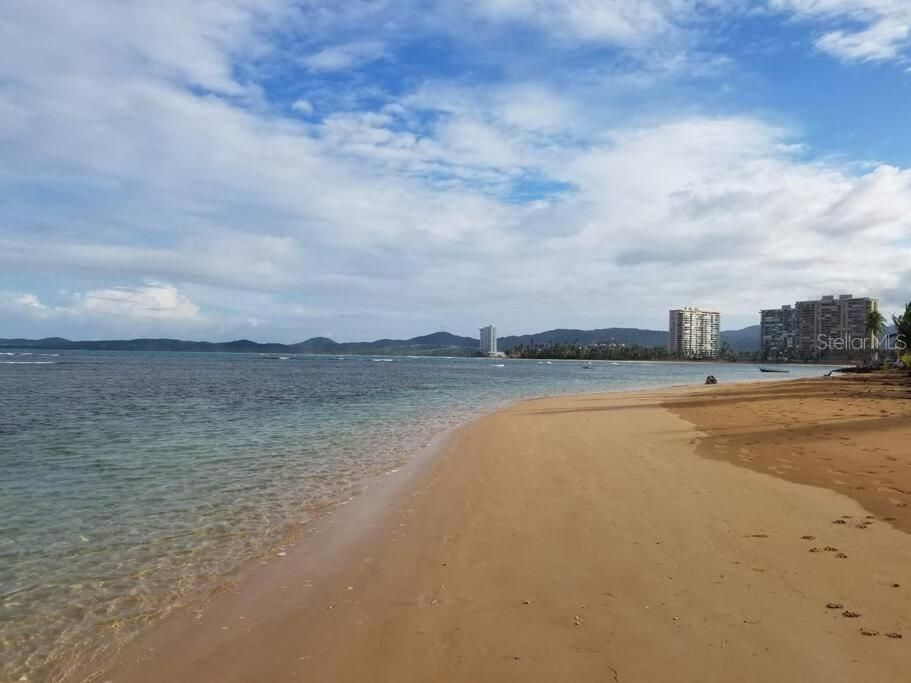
column 902, row 324
column 571, row 351
column 875, row 324
column 576, row 351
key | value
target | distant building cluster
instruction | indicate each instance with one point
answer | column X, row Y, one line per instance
column 489, row 340
column 694, row 333
column 827, row 328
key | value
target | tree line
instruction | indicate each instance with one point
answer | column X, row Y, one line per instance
column 577, row 351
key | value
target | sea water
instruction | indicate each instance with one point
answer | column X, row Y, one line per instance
column 131, row 483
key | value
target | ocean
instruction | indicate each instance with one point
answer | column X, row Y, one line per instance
column 132, row 483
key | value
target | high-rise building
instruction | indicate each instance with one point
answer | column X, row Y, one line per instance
column 694, row 333
column 489, row 340
column 778, row 333
column 827, row 328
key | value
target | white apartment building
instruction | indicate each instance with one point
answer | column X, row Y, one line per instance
column 489, row 340
column 694, row 333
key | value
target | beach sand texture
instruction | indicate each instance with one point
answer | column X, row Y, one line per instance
column 588, row 539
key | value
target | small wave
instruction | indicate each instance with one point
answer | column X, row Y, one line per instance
column 28, row 362
column 382, row 360
column 500, row 365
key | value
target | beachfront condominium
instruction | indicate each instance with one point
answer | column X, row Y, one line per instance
column 694, row 333
column 778, row 333
column 489, row 340
column 833, row 327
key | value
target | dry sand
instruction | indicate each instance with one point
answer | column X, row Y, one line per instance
column 585, row 539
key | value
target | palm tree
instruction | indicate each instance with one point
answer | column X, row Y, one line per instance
column 903, row 330
column 875, row 323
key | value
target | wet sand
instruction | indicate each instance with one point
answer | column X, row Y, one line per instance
column 848, row 433
column 589, row 539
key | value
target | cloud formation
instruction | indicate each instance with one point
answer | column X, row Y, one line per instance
column 857, row 30
column 346, row 56
column 285, row 180
column 153, row 302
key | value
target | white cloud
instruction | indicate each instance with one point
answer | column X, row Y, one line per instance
column 24, row 303
column 345, row 56
column 883, row 40
column 666, row 32
column 152, row 302
column 384, row 221
column 857, row 30
column 615, row 21
column 191, row 43
column 303, row 106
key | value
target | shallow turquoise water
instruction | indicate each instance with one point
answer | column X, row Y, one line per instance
column 132, row 482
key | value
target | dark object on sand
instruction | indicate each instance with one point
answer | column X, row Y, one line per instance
column 711, row 380
column 772, row 370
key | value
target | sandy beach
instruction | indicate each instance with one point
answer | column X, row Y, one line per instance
column 744, row 533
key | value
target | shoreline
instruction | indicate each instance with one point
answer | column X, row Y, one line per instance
column 309, row 534
column 377, row 492
column 189, row 645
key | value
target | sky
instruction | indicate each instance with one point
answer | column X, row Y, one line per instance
column 282, row 169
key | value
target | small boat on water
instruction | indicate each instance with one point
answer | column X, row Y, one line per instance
column 772, row 370
column 587, row 366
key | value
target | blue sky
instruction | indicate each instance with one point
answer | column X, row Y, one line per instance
column 280, row 169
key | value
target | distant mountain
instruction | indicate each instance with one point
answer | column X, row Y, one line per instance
column 58, row 343
column 746, row 339
column 609, row 335
column 437, row 343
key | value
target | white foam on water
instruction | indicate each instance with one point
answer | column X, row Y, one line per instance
column 28, row 362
